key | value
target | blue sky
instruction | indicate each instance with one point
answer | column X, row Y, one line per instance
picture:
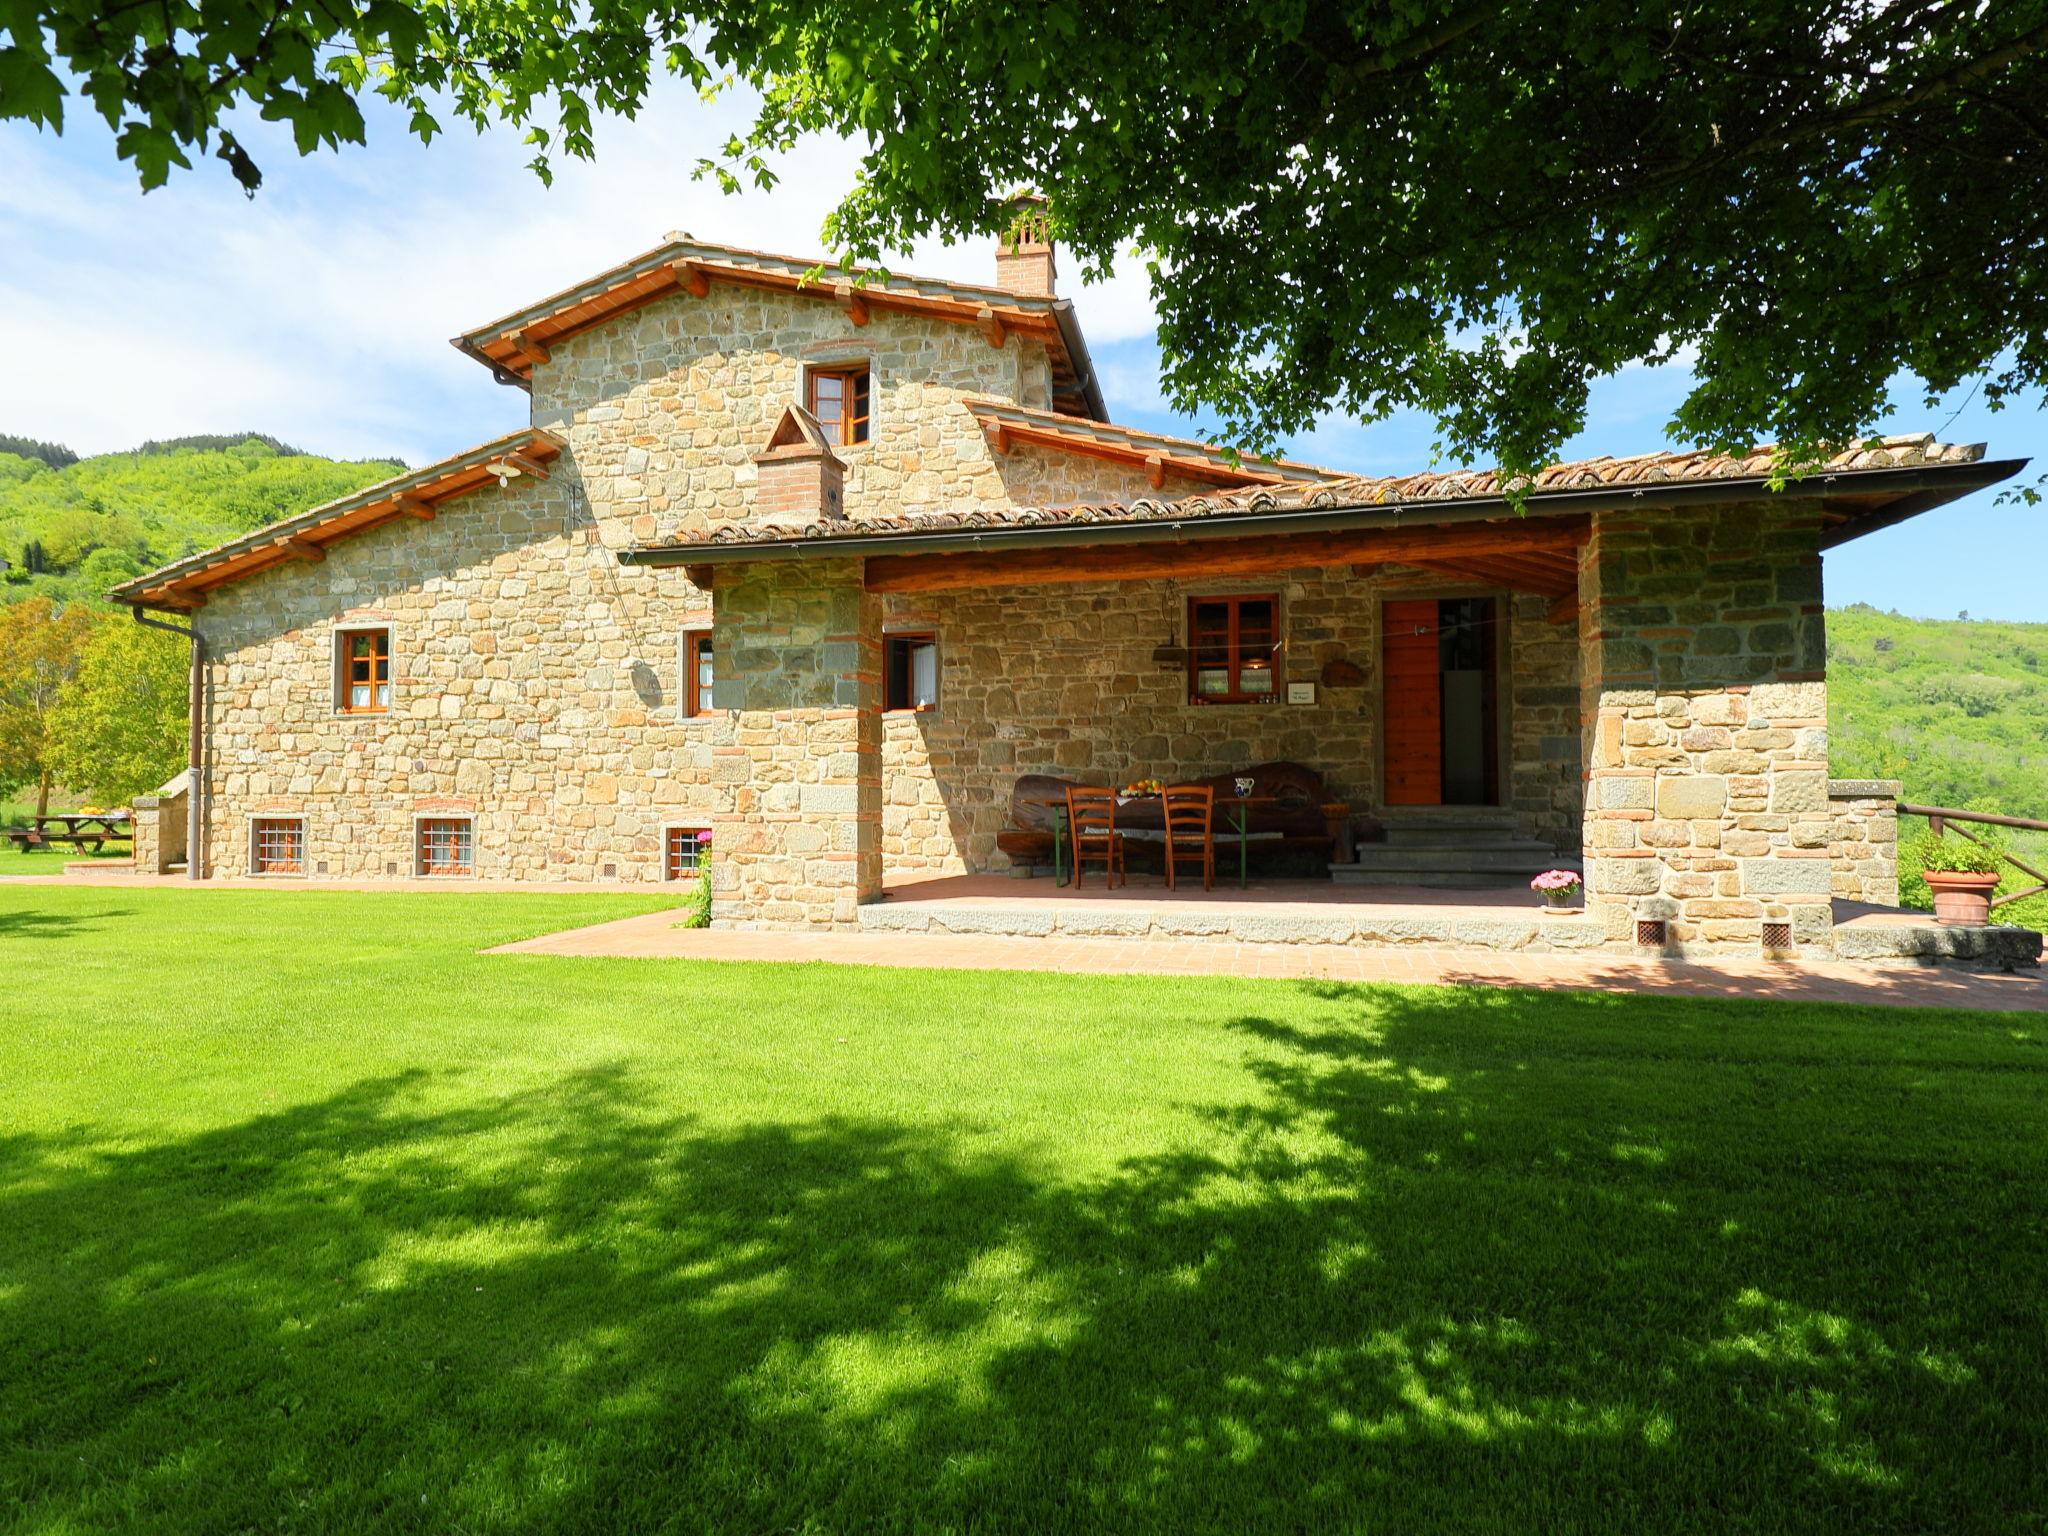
column 321, row 311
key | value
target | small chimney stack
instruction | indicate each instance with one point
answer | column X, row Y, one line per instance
column 1024, row 261
column 801, row 479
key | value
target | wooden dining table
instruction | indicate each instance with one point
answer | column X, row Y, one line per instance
column 1238, row 807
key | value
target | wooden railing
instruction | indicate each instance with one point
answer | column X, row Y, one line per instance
column 1938, row 818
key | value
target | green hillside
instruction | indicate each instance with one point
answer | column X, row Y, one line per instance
column 1957, row 709
column 71, row 530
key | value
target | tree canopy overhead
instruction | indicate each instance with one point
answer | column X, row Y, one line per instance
column 1469, row 207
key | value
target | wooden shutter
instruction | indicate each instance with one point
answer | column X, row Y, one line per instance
column 1413, row 726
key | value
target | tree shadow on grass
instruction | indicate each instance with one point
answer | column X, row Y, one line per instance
column 28, row 923
column 1432, row 1273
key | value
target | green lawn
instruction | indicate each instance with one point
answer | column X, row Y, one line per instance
column 312, row 1219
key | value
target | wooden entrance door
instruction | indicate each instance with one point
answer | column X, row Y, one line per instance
column 1412, row 712
column 1440, row 701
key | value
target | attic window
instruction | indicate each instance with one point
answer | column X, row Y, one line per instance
column 838, row 397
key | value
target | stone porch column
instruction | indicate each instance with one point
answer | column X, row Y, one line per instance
column 796, row 651
column 1704, row 707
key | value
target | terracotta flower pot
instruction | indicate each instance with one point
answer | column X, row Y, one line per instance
column 1961, row 900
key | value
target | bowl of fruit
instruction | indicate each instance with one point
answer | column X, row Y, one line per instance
column 1139, row 789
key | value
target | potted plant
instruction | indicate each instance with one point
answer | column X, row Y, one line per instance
column 1560, row 888
column 1962, row 875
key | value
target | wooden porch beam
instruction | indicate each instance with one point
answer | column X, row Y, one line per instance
column 1503, row 570
column 526, row 465
column 990, row 324
column 414, row 506
column 1155, row 470
column 301, row 549
column 1565, row 610
column 1226, row 556
column 852, row 302
column 691, row 278
column 701, row 576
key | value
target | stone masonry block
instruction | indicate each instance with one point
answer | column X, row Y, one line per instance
column 1625, row 877
column 1785, row 877
column 1691, row 797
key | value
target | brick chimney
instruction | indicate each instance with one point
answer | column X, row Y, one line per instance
column 1024, row 261
column 802, row 479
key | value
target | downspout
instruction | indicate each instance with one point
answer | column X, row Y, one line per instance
column 195, row 779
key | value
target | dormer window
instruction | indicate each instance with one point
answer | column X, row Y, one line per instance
column 838, row 397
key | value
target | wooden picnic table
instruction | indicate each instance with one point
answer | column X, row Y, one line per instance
column 81, row 829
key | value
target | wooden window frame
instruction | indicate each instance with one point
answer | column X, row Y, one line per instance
column 857, row 379
column 670, row 838
column 890, row 638
column 1236, row 694
column 257, row 827
column 421, row 869
column 344, row 681
column 695, row 705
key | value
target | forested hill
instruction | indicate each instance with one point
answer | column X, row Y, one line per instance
column 1956, row 708
column 72, row 529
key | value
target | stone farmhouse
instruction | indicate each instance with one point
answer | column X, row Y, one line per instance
column 825, row 564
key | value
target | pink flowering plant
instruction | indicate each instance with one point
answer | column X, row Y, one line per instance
column 1555, row 880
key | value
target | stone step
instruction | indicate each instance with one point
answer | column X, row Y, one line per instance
column 1500, row 858
column 1446, row 834
column 1435, row 879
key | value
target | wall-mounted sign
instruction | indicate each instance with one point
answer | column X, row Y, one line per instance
column 1301, row 693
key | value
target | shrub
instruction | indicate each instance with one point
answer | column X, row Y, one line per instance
column 1955, row 855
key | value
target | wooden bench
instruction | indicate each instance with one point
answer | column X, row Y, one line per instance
column 28, row 838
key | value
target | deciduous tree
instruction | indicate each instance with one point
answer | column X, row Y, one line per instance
column 40, row 646
column 119, row 729
column 1475, row 207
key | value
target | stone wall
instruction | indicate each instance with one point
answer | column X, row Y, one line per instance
column 537, row 680
column 665, row 408
column 797, row 644
column 1863, row 841
column 1703, row 654
column 1060, row 680
column 535, row 687
column 160, row 828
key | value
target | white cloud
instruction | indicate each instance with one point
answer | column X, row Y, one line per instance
column 321, row 309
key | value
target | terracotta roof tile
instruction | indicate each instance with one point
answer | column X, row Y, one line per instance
column 1604, row 473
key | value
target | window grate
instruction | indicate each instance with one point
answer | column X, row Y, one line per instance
column 279, row 846
column 445, row 846
column 1777, row 936
column 684, row 854
column 1651, row 932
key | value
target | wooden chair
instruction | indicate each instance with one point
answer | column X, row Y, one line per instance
column 1191, row 829
column 1091, row 820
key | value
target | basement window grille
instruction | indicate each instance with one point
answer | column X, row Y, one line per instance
column 1650, row 932
column 1777, row 937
